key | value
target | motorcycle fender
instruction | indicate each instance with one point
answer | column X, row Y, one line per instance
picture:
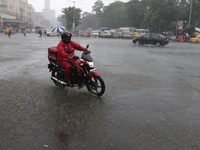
column 91, row 74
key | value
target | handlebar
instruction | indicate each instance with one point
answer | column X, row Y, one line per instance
column 86, row 49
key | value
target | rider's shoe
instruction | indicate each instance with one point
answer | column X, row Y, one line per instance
column 70, row 84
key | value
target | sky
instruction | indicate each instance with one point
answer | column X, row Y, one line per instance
column 57, row 5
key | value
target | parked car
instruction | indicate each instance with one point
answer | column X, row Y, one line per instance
column 53, row 34
column 126, row 35
column 152, row 38
column 195, row 39
column 115, row 35
column 7, row 30
column 135, row 34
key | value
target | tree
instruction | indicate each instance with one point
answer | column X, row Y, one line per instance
column 195, row 19
column 136, row 13
column 114, row 15
column 98, row 10
column 89, row 20
column 67, row 18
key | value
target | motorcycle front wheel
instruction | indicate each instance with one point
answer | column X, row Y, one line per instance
column 96, row 86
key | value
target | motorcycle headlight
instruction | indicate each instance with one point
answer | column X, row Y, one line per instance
column 91, row 64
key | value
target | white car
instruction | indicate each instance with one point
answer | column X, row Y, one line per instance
column 53, row 34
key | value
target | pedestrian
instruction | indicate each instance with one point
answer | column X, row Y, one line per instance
column 45, row 33
column 24, row 32
column 9, row 33
column 40, row 32
column 187, row 37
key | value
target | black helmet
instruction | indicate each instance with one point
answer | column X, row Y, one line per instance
column 64, row 35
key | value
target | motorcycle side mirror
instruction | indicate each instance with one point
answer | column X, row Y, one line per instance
column 87, row 46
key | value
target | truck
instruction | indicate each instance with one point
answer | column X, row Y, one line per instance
column 126, row 34
column 105, row 32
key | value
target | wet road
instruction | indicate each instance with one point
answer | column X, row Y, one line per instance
column 151, row 101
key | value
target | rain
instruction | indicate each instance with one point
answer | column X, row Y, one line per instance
column 152, row 93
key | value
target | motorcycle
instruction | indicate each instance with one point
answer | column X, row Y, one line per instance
column 82, row 72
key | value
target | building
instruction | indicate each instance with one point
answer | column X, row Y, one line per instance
column 38, row 19
column 16, row 14
column 49, row 14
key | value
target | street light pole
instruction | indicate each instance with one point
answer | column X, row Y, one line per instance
column 191, row 1
column 74, row 16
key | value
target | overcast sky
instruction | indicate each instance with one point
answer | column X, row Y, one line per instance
column 57, row 5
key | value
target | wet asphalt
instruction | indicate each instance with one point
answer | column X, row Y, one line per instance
column 151, row 101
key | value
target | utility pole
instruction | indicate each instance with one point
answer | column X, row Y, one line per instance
column 73, row 26
column 191, row 2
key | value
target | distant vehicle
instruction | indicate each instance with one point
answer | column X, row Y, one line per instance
column 115, row 35
column 37, row 28
column 126, row 35
column 195, row 39
column 135, row 34
column 81, row 33
column 33, row 30
column 50, row 34
column 152, row 38
column 105, row 32
column 95, row 33
column 87, row 34
column 128, row 29
column 7, row 31
column 28, row 30
column 125, row 32
column 142, row 31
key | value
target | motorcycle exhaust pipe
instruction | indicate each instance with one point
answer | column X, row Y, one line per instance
column 59, row 81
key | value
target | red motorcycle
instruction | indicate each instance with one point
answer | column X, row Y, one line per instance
column 82, row 72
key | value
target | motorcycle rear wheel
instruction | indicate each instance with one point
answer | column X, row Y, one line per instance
column 96, row 86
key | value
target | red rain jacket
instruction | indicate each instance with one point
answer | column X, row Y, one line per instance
column 63, row 47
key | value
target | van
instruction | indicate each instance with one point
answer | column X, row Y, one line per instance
column 142, row 31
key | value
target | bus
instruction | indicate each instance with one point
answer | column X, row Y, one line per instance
column 142, row 31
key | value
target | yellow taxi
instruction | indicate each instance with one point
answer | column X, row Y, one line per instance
column 7, row 31
column 135, row 34
column 28, row 30
column 195, row 39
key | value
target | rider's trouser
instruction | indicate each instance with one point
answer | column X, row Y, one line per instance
column 65, row 64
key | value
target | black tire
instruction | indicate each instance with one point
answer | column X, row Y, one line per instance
column 158, row 44
column 137, row 42
column 96, row 86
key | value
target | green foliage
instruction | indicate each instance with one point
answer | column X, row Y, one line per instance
column 155, row 15
column 68, row 17
column 89, row 20
column 98, row 7
column 114, row 15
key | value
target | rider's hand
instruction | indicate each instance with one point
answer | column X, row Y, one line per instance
column 70, row 57
column 88, row 51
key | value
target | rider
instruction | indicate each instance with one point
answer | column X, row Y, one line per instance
column 65, row 53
